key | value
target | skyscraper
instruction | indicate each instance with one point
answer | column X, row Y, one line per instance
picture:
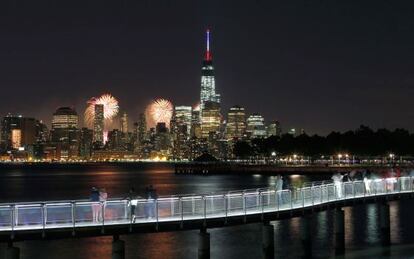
column 236, row 122
column 196, row 123
column 17, row 131
column 255, row 126
column 142, row 129
column 16, row 138
column 208, row 84
column 183, row 116
column 124, row 123
column 65, row 132
column 274, row 129
column 85, row 146
column 210, row 119
column 65, row 117
column 98, row 124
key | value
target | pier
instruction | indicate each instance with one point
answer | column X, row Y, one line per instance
column 74, row 219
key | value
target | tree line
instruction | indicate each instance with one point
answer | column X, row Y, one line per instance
column 360, row 142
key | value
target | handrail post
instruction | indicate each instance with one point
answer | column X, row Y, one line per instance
column 353, row 188
column 193, row 205
column 278, row 200
column 261, row 203
column 244, row 206
column 312, row 196
column 303, row 197
column 12, row 220
column 172, row 207
column 321, row 194
column 385, row 185
column 43, row 219
column 103, row 216
column 156, row 212
column 131, row 218
column 182, row 211
column 73, row 212
column 16, row 215
column 126, row 210
column 225, row 208
column 244, row 201
column 205, row 210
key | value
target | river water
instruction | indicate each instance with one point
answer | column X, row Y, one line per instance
column 361, row 222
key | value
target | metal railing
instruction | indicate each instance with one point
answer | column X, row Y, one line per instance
column 77, row 214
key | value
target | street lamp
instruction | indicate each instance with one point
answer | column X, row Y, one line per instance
column 339, row 158
column 392, row 156
column 273, row 154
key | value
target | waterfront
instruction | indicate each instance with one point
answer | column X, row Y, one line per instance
column 362, row 233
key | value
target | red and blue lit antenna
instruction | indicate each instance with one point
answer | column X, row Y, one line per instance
column 208, row 56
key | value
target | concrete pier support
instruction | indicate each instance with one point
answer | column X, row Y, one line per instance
column 339, row 232
column 306, row 236
column 12, row 252
column 268, row 241
column 118, row 248
column 203, row 244
column 384, row 218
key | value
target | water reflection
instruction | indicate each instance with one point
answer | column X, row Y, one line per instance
column 395, row 222
column 349, row 226
column 322, row 225
column 371, row 231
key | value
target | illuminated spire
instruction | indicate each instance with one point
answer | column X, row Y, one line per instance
column 208, row 56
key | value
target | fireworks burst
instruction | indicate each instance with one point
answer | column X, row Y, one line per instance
column 110, row 104
column 160, row 110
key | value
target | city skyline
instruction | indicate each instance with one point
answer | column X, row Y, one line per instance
column 325, row 75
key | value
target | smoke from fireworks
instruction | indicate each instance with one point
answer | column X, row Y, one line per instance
column 160, row 110
column 111, row 108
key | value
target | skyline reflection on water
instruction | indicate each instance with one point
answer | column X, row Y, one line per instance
column 362, row 232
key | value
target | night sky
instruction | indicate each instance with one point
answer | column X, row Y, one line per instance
column 317, row 65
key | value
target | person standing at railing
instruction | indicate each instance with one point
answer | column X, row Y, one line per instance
column 133, row 202
column 94, row 197
column 151, row 194
column 367, row 183
column 337, row 179
column 103, row 196
column 279, row 187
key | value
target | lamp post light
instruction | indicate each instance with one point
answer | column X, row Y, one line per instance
column 392, row 157
column 339, row 158
column 295, row 158
column 273, row 154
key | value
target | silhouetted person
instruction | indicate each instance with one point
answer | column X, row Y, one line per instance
column 103, row 196
column 133, row 200
column 94, row 197
column 151, row 195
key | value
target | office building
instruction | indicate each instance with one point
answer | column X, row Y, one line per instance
column 255, row 126
column 98, row 124
column 236, row 123
column 274, row 129
column 210, row 119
